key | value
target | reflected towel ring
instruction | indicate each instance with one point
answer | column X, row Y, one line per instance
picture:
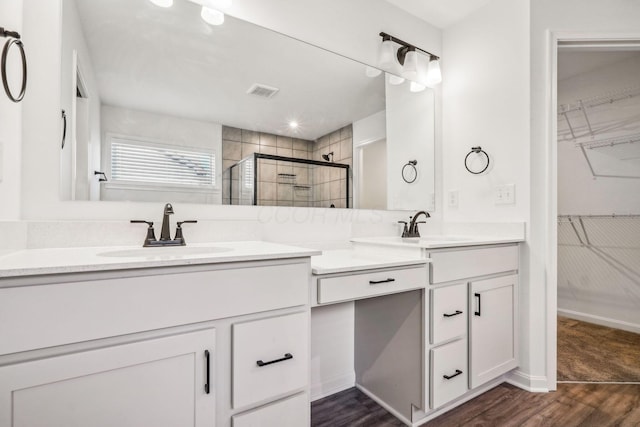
column 14, row 40
column 476, row 150
column 412, row 172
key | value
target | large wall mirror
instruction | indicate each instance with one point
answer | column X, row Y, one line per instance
column 159, row 105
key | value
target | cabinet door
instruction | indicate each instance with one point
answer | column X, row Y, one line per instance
column 159, row 382
column 492, row 328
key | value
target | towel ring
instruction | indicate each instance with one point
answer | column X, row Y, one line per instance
column 14, row 40
column 476, row 150
column 409, row 172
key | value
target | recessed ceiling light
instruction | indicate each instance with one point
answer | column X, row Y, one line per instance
column 293, row 124
column 162, row 3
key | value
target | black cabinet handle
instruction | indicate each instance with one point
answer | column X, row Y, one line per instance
column 448, row 377
column 377, row 282
column 64, row 127
column 477, row 313
column 454, row 314
column 287, row 356
column 207, row 388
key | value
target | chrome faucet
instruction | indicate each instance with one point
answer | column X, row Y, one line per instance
column 412, row 229
column 165, row 232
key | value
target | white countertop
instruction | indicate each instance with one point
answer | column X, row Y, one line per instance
column 340, row 261
column 73, row 260
column 438, row 241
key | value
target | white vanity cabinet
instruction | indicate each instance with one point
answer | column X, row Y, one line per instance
column 165, row 346
column 474, row 306
column 164, row 382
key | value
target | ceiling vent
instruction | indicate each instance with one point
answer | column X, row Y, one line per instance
column 263, row 91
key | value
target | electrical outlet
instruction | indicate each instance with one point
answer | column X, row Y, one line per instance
column 452, row 199
column 505, row 194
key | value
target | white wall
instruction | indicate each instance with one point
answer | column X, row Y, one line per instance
column 485, row 96
column 485, row 102
column 11, row 121
column 592, row 18
column 578, row 191
column 161, row 129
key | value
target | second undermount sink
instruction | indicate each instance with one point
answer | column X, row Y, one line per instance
column 164, row 252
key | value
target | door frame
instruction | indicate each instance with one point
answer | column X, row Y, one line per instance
column 551, row 189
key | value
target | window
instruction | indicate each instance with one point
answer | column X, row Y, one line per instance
column 142, row 162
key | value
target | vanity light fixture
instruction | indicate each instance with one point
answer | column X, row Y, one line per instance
column 162, row 3
column 407, row 56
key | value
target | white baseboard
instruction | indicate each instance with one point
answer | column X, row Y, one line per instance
column 532, row 383
column 599, row 320
column 332, row 386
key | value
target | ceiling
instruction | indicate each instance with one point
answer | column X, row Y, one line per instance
column 169, row 61
column 440, row 13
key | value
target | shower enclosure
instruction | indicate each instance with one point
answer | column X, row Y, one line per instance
column 268, row 180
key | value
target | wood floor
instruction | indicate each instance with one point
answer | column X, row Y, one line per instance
column 588, row 352
column 583, row 405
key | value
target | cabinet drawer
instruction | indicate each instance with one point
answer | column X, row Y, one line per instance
column 270, row 358
column 455, row 265
column 448, row 313
column 356, row 286
column 291, row 412
column 448, row 372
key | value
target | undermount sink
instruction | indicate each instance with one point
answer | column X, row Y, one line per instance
column 163, row 252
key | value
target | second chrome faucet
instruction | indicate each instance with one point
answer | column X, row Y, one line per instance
column 165, row 232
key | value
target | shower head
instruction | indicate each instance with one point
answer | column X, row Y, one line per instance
column 328, row 157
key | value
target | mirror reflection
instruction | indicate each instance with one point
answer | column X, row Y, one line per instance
column 161, row 105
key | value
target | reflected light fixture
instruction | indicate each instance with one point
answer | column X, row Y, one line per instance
column 407, row 56
column 372, row 72
column 212, row 16
column 162, row 3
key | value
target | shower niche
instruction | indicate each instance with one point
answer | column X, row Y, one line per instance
column 270, row 180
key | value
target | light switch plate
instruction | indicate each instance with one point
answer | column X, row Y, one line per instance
column 505, row 194
column 452, row 199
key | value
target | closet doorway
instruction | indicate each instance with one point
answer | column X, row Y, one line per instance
column 598, row 94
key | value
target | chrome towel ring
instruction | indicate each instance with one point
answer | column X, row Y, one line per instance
column 14, row 40
column 411, row 174
column 476, row 150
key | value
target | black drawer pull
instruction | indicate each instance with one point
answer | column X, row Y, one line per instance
column 477, row 313
column 448, row 377
column 377, row 282
column 207, row 388
column 287, row 356
column 454, row 314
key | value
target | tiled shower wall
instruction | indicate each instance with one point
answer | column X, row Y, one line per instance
column 240, row 143
column 285, row 183
column 330, row 183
